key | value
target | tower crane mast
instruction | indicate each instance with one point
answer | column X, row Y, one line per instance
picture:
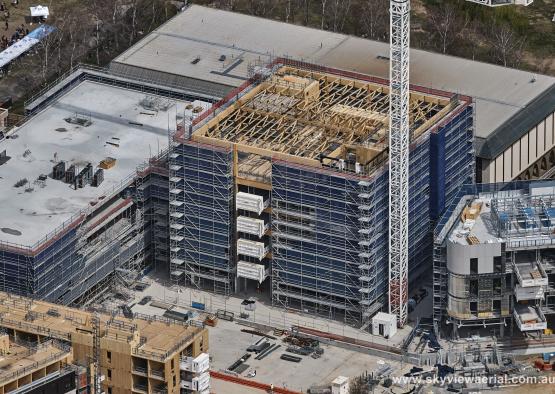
column 399, row 139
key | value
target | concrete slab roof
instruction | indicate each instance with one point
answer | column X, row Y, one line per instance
column 120, row 128
column 206, row 34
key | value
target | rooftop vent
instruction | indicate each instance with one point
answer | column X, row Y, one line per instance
column 21, row 182
column 4, row 157
column 79, row 119
column 10, row 231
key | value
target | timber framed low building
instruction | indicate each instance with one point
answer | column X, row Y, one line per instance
column 144, row 354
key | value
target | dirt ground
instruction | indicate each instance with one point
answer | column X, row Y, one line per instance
column 531, row 389
column 11, row 85
column 18, row 16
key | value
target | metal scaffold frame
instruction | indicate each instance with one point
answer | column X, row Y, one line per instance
column 369, row 251
column 328, row 285
column 128, row 235
column 208, row 198
column 399, row 136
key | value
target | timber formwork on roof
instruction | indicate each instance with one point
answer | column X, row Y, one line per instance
column 309, row 114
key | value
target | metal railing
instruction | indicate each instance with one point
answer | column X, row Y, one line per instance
column 156, row 372
column 139, row 369
column 63, row 350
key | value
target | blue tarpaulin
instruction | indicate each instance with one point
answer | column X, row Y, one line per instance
column 22, row 46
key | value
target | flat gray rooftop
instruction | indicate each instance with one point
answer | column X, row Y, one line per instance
column 27, row 216
column 481, row 228
column 207, row 34
column 521, row 217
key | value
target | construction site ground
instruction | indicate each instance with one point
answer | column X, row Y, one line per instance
column 228, row 342
column 222, row 387
column 265, row 313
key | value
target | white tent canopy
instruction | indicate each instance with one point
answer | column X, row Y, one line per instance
column 39, row 11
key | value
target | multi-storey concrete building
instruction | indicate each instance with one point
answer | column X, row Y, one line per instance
column 494, row 260
column 282, row 187
column 84, row 185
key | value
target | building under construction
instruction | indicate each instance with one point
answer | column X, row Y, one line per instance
column 139, row 354
column 282, row 187
column 84, row 186
column 494, row 259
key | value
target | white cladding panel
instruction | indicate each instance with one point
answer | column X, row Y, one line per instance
column 249, row 202
column 251, row 248
column 251, row 271
column 250, row 226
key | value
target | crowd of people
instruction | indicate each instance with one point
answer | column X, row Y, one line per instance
column 20, row 31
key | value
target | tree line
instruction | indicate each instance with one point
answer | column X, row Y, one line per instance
column 92, row 31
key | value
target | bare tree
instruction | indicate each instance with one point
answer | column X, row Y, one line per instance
column 305, row 6
column 287, row 11
column 507, row 46
column 340, row 10
column 323, row 16
column 226, row 4
column 446, row 23
column 473, row 34
column 262, row 8
column 375, row 18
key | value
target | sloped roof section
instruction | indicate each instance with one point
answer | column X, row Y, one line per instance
column 518, row 125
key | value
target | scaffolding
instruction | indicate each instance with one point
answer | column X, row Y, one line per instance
column 176, row 212
column 317, row 139
column 157, row 210
column 315, row 242
column 524, row 219
column 80, row 254
column 208, row 227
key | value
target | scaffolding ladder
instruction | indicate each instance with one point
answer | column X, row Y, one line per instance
column 176, row 207
column 367, row 252
column 97, row 376
column 136, row 263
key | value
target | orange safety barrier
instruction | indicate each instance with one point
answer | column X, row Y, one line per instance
column 250, row 383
